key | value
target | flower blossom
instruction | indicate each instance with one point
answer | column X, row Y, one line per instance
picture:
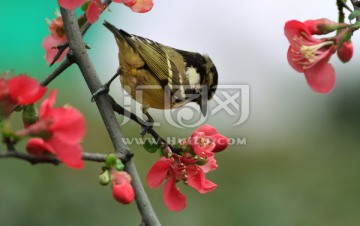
column 310, row 56
column 58, row 131
column 122, row 189
column 189, row 166
column 96, row 7
column 57, row 37
column 18, row 90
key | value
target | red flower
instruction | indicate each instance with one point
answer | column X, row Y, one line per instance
column 178, row 168
column 59, row 130
column 57, row 37
column 310, row 56
column 188, row 166
column 122, row 190
column 19, row 90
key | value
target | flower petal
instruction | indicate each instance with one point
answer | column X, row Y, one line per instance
column 69, row 124
column 47, row 104
column 173, row 198
column 158, row 172
column 321, row 78
column 94, row 10
column 196, row 179
column 142, row 6
column 69, row 154
column 207, row 129
column 296, row 28
column 48, row 44
column 25, row 90
column 291, row 55
column 71, row 4
column 36, row 146
column 210, row 165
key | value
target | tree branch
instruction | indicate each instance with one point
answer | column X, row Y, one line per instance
column 61, row 48
column 34, row 159
column 103, row 103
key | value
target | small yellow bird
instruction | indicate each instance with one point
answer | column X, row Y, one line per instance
column 167, row 77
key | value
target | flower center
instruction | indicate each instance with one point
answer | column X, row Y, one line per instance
column 308, row 52
column 311, row 53
column 204, row 141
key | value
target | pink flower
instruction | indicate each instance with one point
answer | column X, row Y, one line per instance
column 122, row 190
column 310, row 56
column 59, row 131
column 19, row 90
column 178, row 168
column 57, row 37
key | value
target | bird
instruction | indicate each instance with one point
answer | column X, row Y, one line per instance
column 167, row 77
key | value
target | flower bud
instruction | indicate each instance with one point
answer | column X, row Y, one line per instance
column 221, row 142
column 104, row 178
column 345, row 52
column 122, row 190
column 30, row 115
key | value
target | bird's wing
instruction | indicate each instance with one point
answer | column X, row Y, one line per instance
column 156, row 59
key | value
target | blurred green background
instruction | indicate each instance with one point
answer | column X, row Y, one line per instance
column 299, row 166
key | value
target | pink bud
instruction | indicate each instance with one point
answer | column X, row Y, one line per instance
column 221, row 142
column 346, row 51
column 122, row 190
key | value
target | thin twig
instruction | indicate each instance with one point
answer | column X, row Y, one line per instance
column 160, row 140
column 62, row 67
column 103, row 103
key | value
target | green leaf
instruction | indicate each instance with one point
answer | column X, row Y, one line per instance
column 85, row 6
column 354, row 14
column 355, row 25
column 150, row 146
